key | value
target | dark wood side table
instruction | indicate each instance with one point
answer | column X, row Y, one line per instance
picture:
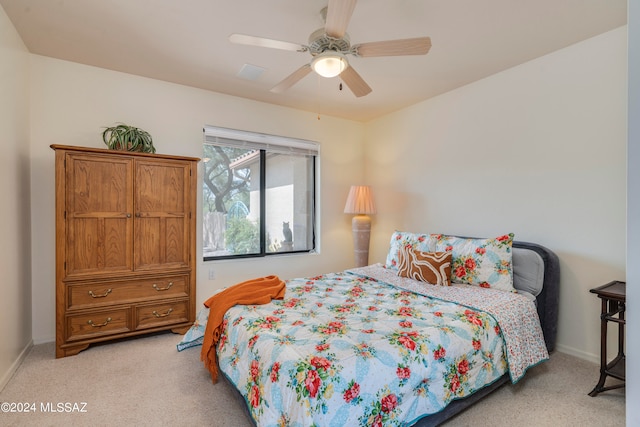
column 613, row 296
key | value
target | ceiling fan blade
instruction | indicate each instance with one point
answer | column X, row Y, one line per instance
column 356, row 83
column 264, row 42
column 415, row 46
column 338, row 15
column 292, row 79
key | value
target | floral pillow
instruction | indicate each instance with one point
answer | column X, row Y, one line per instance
column 400, row 239
column 430, row 267
column 481, row 262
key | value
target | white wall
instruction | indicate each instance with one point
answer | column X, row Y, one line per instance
column 71, row 103
column 15, row 256
column 537, row 150
column 633, row 220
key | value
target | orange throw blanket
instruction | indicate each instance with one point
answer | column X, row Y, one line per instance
column 255, row 291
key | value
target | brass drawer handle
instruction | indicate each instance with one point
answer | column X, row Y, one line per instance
column 158, row 315
column 101, row 325
column 163, row 289
column 99, row 296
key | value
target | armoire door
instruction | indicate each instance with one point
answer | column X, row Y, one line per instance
column 162, row 203
column 98, row 214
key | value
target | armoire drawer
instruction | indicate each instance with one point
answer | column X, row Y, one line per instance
column 97, row 294
column 99, row 323
column 166, row 313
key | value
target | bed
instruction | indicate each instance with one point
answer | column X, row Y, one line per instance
column 376, row 346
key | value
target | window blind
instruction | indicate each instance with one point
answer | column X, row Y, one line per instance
column 259, row 141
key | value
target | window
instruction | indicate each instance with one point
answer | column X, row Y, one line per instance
column 258, row 194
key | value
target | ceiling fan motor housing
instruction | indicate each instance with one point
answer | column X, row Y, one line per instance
column 320, row 42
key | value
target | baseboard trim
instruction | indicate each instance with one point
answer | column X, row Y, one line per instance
column 16, row 364
column 578, row 353
column 37, row 341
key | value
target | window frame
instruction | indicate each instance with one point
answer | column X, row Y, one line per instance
column 266, row 143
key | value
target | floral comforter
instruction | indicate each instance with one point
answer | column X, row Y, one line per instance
column 351, row 349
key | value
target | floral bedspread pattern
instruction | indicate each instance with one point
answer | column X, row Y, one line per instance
column 516, row 314
column 348, row 349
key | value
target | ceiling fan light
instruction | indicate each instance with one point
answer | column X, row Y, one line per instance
column 329, row 64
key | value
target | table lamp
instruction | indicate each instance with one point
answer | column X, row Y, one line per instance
column 360, row 202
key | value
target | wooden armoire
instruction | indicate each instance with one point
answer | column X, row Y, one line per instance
column 125, row 245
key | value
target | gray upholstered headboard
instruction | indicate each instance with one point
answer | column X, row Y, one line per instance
column 532, row 263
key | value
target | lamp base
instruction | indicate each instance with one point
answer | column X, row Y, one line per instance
column 361, row 229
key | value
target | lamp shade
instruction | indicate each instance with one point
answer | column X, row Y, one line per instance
column 360, row 201
column 329, row 63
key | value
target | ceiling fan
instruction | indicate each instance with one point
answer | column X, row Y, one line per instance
column 329, row 47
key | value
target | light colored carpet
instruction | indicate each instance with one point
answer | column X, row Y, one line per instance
column 146, row 382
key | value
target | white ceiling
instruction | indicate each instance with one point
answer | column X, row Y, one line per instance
column 185, row 42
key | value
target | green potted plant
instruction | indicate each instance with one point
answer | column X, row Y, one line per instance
column 128, row 138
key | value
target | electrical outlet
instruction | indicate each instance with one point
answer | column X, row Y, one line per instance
column 212, row 274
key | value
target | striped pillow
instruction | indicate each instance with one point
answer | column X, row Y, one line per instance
column 430, row 267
